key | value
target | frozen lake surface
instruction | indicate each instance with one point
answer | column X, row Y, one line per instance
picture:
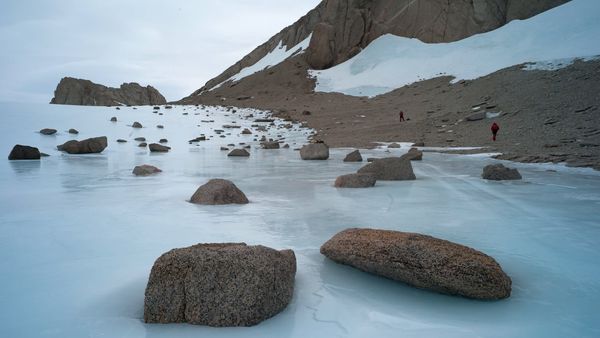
column 79, row 234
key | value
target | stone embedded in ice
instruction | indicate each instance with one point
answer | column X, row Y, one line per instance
column 220, row 285
column 422, row 261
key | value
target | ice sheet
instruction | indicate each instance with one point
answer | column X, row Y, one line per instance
column 79, row 234
column 568, row 31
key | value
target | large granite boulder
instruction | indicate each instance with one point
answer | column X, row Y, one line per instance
column 20, row 152
column 421, row 261
column 353, row 157
column 314, row 151
column 158, row 148
column 390, row 169
column 145, row 170
column 218, row 192
column 219, row 285
column 355, row 181
column 89, row 146
column 86, row 93
column 498, row 172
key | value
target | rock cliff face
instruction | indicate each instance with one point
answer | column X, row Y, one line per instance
column 341, row 28
column 86, row 93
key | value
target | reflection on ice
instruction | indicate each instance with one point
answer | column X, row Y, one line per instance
column 79, row 234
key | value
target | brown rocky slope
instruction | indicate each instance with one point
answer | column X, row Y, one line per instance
column 341, row 28
column 546, row 116
column 86, row 93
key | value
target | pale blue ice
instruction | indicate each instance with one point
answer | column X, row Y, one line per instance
column 79, row 234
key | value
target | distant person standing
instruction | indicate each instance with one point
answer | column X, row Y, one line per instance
column 495, row 129
column 402, row 116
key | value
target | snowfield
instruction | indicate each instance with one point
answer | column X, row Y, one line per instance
column 275, row 57
column 566, row 32
column 79, row 233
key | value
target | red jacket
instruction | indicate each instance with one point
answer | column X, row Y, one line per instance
column 495, row 127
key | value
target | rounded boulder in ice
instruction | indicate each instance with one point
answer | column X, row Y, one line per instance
column 421, row 261
column 219, row 285
column 218, row 192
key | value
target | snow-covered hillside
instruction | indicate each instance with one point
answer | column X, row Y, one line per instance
column 566, row 32
column 275, row 57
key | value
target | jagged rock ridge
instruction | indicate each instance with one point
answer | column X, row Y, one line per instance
column 341, row 28
column 86, row 93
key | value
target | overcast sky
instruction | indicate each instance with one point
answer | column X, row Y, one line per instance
column 173, row 45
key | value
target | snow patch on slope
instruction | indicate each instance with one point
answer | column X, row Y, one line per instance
column 565, row 32
column 275, row 57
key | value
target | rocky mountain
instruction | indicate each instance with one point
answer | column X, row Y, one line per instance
column 86, row 93
column 342, row 28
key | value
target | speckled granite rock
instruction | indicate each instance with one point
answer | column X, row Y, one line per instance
column 229, row 284
column 421, row 261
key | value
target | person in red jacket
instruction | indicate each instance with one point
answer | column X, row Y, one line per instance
column 495, row 128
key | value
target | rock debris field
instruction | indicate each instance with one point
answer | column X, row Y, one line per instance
column 456, row 254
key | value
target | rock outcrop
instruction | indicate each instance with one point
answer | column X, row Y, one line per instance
column 20, row 152
column 315, row 152
column 89, row 146
column 421, row 261
column 342, row 28
column 355, row 181
column 81, row 92
column 390, row 169
column 230, row 284
column 498, row 172
column 219, row 192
